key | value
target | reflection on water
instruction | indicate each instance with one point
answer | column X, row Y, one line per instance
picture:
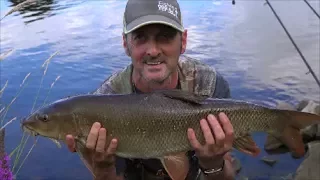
column 40, row 9
column 244, row 42
column 34, row 11
column 247, row 39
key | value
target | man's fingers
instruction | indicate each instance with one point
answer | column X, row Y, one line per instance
column 93, row 136
column 207, row 133
column 227, row 127
column 112, row 147
column 217, row 130
column 106, row 159
column 70, row 143
column 101, row 143
column 193, row 140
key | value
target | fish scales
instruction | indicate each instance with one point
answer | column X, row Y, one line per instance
column 144, row 122
column 150, row 125
column 154, row 125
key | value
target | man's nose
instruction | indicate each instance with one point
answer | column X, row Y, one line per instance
column 153, row 49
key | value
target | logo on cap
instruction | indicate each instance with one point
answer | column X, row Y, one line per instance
column 166, row 7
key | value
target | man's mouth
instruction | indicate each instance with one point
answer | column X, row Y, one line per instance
column 153, row 63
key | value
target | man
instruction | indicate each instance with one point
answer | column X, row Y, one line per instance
column 154, row 38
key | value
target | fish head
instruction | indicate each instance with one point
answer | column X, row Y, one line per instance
column 52, row 121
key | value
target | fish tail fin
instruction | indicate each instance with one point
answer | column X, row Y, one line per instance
column 289, row 135
column 300, row 120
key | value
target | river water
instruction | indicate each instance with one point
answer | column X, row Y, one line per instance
column 245, row 42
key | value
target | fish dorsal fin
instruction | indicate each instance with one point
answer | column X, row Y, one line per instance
column 246, row 145
column 176, row 165
column 183, row 95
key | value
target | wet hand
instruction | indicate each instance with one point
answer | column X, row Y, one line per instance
column 101, row 155
column 219, row 136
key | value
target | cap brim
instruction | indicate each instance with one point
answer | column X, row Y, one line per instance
column 152, row 19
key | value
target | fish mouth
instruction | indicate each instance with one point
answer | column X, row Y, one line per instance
column 25, row 126
column 30, row 131
column 27, row 129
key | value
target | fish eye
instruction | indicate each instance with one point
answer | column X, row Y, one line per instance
column 43, row 117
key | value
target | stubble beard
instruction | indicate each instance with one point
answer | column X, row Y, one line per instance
column 152, row 83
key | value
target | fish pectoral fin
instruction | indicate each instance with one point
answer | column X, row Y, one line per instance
column 84, row 154
column 183, row 95
column 56, row 142
column 246, row 145
column 176, row 165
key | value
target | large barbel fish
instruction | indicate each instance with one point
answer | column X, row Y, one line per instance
column 154, row 125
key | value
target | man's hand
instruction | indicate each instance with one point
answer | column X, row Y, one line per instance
column 102, row 157
column 218, row 134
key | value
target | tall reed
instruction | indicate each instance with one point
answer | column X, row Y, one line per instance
column 8, row 173
column 14, row 170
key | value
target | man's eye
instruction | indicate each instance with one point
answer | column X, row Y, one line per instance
column 167, row 36
column 138, row 37
column 164, row 36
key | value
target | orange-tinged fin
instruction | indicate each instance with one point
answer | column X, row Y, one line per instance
column 176, row 165
column 290, row 134
column 246, row 145
column 300, row 120
column 292, row 138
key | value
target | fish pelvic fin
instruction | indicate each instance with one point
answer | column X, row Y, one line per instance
column 290, row 134
column 246, row 144
column 183, row 95
column 176, row 165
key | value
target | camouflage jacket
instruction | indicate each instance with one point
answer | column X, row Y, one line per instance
column 194, row 76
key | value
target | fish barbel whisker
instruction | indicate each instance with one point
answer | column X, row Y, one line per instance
column 30, row 131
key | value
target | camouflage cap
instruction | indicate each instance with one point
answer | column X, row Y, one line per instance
column 142, row 12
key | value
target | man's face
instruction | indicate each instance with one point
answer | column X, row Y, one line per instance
column 155, row 50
